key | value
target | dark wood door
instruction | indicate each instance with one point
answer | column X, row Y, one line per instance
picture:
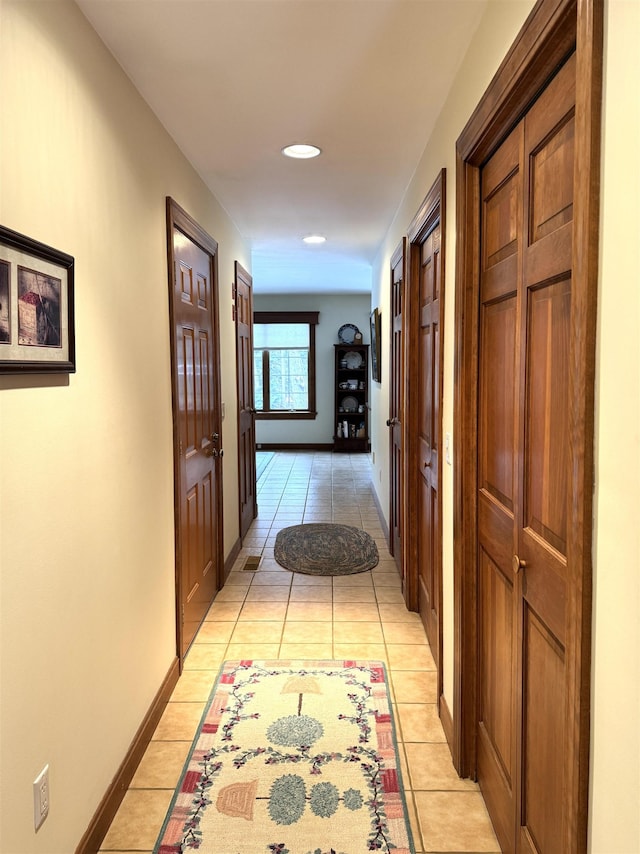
column 396, row 407
column 197, row 418
column 424, row 397
column 246, row 411
column 428, row 460
column 523, row 470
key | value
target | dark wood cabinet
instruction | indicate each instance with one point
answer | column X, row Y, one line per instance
column 351, row 409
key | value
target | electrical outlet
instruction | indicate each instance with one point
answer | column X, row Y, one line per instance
column 41, row 797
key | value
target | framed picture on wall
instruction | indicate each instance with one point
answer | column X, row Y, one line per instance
column 36, row 307
column 375, row 345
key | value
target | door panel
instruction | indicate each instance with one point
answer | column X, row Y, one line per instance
column 187, row 384
column 424, row 317
column 496, row 744
column 543, row 499
column 496, row 633
column 195, row 369
column 396, row 408
column 501, row 184
column 497, row 416
column 429, row 550
column 191, row 515
column 497, row 473
column 246, row 411
column 523, row 459
column 543, row 738
column 547, row 446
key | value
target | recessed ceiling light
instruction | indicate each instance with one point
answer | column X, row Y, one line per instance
column 301, row 151
column 314, row 238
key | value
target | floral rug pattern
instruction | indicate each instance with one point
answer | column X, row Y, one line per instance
column 292, row 758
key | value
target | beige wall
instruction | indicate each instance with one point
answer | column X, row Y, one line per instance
column 615, row 756
column 86, row 485
column 86, row 522
column 615, row 753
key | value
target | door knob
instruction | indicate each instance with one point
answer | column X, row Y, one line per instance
column 215, row 437
column 391, row 422
column 517, row 564
column 210, row 451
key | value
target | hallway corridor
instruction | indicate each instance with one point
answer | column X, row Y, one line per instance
column 275, row 613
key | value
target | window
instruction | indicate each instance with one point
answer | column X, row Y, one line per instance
column 284, row 363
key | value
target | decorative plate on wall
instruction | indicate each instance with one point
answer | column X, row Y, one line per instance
column 347, row 333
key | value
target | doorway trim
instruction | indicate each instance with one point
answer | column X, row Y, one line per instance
column 551, row 32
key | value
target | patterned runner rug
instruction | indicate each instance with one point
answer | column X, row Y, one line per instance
column 292, row 757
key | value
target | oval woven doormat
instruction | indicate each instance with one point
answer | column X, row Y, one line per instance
column 322, row 548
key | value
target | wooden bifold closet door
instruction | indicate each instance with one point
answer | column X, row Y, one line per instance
column 523, row 470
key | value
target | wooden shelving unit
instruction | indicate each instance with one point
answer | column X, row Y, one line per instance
column 351, row 410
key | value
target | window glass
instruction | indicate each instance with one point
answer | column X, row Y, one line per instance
column 289, row 379
column 283, row 366
column 258, row 393
column 280, row 335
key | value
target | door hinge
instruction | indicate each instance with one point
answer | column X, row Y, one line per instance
column 180, row 446
column 183, row 614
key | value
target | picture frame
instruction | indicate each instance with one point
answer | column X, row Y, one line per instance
column 37, row 332
column 376, row 374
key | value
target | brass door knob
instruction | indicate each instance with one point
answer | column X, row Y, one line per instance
column 517, row 564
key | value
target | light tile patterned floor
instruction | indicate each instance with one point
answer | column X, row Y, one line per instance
column 275, row 613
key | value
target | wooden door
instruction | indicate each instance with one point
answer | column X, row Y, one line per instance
column 197, row 420
column 538, row 738
column 523, row 470
column 396, row 407
column 246, row 411
column 428, row 460
column 425, row 396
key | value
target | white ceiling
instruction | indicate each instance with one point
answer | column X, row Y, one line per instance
column 233, row 81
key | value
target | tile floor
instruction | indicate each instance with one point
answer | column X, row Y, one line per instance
column 276, row 613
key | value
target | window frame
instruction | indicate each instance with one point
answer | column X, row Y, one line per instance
column 306, row 317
